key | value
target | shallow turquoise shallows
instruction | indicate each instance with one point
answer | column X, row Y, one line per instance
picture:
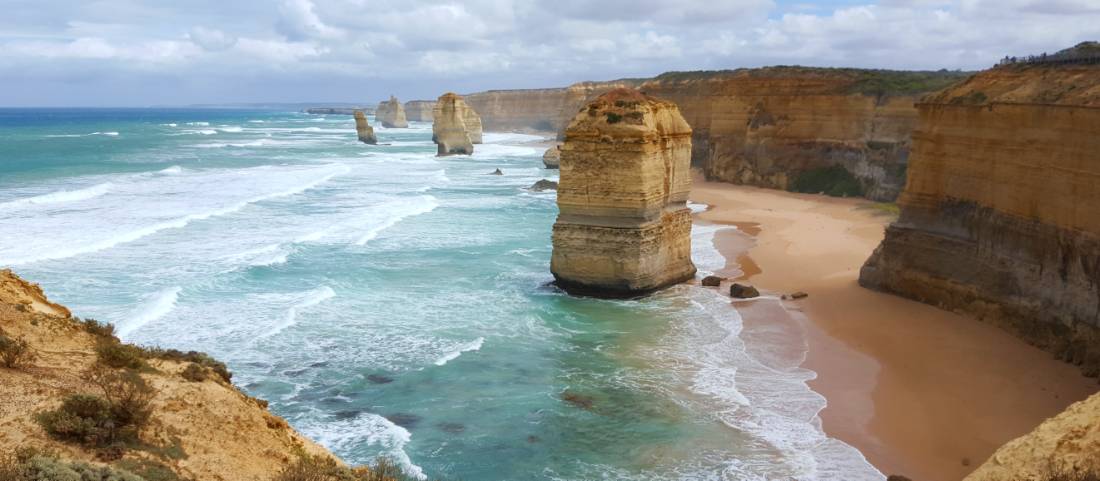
column 391, row 303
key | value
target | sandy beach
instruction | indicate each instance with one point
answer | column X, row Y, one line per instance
column 921, row 392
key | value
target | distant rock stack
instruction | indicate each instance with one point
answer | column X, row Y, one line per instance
column 623, row 227
column 552, row 157
column 455, row 126
column 419, row 110
column 391, row 114
column 363, row 128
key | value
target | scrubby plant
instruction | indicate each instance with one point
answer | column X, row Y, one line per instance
column 98, row 329
column 115, row 354
column 32, row 465
column 130, row 396
column 15, row 353
column 324, row 468
column 200, row 358
column 149, row 470
column 101, row 421
column 834, row 180
column 194, row 373
column 614, row 118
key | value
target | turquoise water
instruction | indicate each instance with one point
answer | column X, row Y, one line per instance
column 389, row 303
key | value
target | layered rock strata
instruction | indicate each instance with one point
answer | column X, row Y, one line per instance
column 455, row 126
column 623, row 227
column 838, row 131
column 999, row 217
column 391, row 114
column 419, row 110
column 363, row 129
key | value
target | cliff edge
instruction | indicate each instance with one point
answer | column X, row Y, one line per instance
column 78, row 393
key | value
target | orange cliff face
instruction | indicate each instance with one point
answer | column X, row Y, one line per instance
column 767, row 127
column 999, row 217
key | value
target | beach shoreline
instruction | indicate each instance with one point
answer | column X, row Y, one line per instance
column 921, row 392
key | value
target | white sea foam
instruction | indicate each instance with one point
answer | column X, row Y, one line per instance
column 203, row 132
column 60, row 196
column 173, row 170
column 257, row 121
column 697, row 208
column 155, row 307
column 171, row 125
column 366, row 429
column 706, row 257
column 474, row 345
column 230, row 129
column 109, row 134
column 310, row 299
column 199, row 124
column 401, row 211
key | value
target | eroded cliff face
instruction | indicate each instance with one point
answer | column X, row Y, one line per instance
column 623, row 226
column 999, row 217
column 363, row 129
column 449, row 129
column 472, row 122
column 537, row 110
column 419, row 110
column 391, row 114
column 204, row 430
column 1066, row 443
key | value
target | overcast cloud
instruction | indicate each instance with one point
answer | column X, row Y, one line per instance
column 130, row 52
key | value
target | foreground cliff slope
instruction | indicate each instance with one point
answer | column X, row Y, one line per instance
column 201, row 427
column 999, row 217
column 623, row 226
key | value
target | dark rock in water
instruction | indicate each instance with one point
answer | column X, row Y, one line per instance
column 544, row 184
column 741, row 291
column 578, row 400
column 405, row 420
column 712, row 281
column 295, row 372
column 496, row 172
column 534, row 439
column 453, row 428
column 319, row 364
column 347, row 414
column 799, row 295
column 897, row 477
column 379, row 379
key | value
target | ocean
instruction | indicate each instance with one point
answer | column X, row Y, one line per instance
column 391, row 303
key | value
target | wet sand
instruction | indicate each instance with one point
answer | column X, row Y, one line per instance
column 921, row 392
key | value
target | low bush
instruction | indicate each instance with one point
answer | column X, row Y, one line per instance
column 323, row 468
column 194, row 373
column 834, row 180
column 30, row 465
column 15, row 353
column 99, row 329
column 614, row 118
column 200, row 358
column 120, row 356
column 101, row 421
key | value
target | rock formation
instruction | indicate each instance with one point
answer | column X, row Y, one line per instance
column 623, row 226
column 363, row 129
column 455, row 126
column 1068, row 442
column 840, row 131
column 419, row 110
column 999, row 218
column 552, row 157
column 391, row 114
column 201, row 427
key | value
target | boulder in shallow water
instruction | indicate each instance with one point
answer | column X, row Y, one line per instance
column 363, row 129
column 741, row 291
column 712, row 281
column 578, row 400
column 799, row 295
column 544, row 184
column 496, row 172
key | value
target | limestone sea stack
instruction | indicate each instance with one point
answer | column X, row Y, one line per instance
column 391, row 114
column 419, row 110
column 455, row 126
column 1000, row 217
column 624, row 228
column 363, row 129
column 552, row 157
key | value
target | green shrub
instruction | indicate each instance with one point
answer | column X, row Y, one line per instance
column 100, row 421
column 149, row 470
column 99, row 329
column 323, row 468
column 834, row 180
column 194, row 373
column 614, row 118
column 118, row 355
column 15, row 353
column 200, row 358
column 30, row 465
column 130, row 396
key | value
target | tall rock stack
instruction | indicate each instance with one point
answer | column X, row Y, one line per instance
column 1000, row 217
column 455, row 126
column 623, row 227
column 419, row 110
column 363, row 129
column 391, row 114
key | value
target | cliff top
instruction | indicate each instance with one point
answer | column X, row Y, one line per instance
column 73, row 393
column 1040, row 83
column 626, row 112
column 843, row 80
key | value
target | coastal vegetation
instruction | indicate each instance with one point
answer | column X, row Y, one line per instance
column 833, row 180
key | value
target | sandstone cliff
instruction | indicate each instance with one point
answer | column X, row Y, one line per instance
column 419, row 110
column 999, row 216
column 202, row 429
column 391, row 114
column 363, row 129
column 1066, row 443
column 450, row 131
column 623, row 226
column 838, row 131
column 552, row 157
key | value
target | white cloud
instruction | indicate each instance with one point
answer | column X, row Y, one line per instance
column 212, row 39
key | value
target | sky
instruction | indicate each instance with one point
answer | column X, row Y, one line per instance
column 172, row 52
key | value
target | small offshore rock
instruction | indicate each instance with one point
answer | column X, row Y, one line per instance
column 799, row 295
column 496, row 172
column 897, row 477
column 578, row 400
column 453, row 428
column 712, row 281
column 544, row 184
column 552, row 157
column 379, row 379
column 741, row 291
